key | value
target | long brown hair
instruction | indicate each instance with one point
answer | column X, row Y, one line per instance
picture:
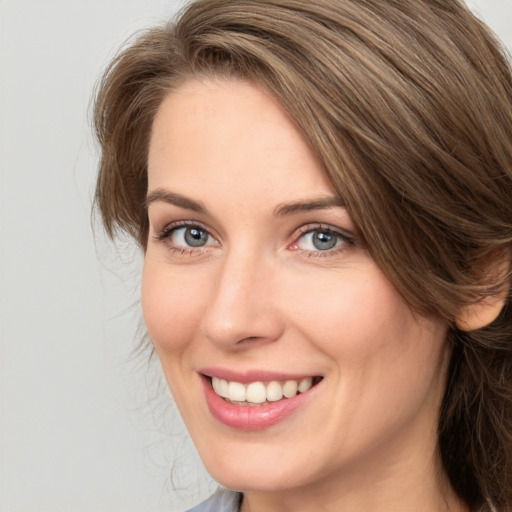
column 408, row 104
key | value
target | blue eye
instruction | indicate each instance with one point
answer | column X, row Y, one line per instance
column 189, row 236
column 320, row 239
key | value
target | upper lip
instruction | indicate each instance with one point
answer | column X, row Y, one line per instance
column 255, row 375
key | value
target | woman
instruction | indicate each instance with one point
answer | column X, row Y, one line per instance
column 322, row 193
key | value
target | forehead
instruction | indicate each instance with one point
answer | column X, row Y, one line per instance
column 225, row 131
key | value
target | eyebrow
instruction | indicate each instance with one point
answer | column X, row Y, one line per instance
column 322, row 203
column 280, row 210
column 169, row 197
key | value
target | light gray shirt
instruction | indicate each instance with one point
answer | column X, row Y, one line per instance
column 222, row 501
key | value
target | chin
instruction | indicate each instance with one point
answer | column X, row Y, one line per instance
column 262, row 476
column 259, row 467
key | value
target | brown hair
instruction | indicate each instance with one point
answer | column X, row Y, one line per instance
column 408, row 104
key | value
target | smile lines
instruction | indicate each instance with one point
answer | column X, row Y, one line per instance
column 259, row 393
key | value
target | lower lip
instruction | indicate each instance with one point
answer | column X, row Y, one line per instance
column 246, row 417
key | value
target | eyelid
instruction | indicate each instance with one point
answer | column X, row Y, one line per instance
column 172, row 226
column 164, row 236
column 347, row 238
column 319, row 226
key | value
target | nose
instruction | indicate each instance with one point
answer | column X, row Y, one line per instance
column 242, row 310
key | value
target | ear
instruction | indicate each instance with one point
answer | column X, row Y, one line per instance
column 478, row 315
column 484, row 312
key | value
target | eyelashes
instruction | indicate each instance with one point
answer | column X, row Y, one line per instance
column 189, row 238
column 186, row 238
column 319, row 240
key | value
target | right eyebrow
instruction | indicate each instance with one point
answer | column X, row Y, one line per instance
column 166, row 196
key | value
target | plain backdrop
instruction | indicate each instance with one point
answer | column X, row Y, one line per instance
column 85, row 422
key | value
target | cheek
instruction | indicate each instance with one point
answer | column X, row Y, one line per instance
column 386, row 362
column 366, row 328
column 350, row 312
column 172, row 305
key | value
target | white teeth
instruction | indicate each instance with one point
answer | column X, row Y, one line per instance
column 237, row 392
column 290, row 388
column 257, row 392
column 221, row 387
column 305, row 384
column 274, row 391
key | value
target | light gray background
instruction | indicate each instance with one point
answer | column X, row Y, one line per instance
column 79, row 431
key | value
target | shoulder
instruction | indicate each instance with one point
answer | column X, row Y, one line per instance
column 222, row 501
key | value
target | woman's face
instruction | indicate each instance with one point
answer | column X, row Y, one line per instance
column 254, row 278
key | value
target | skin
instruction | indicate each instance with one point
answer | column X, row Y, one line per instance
column 260, row 296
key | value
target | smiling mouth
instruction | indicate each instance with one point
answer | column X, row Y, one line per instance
column 261, row 393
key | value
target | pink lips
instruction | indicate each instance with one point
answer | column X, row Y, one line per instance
column 249, row 418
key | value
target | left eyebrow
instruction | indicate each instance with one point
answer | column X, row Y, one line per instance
column 322, row 203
